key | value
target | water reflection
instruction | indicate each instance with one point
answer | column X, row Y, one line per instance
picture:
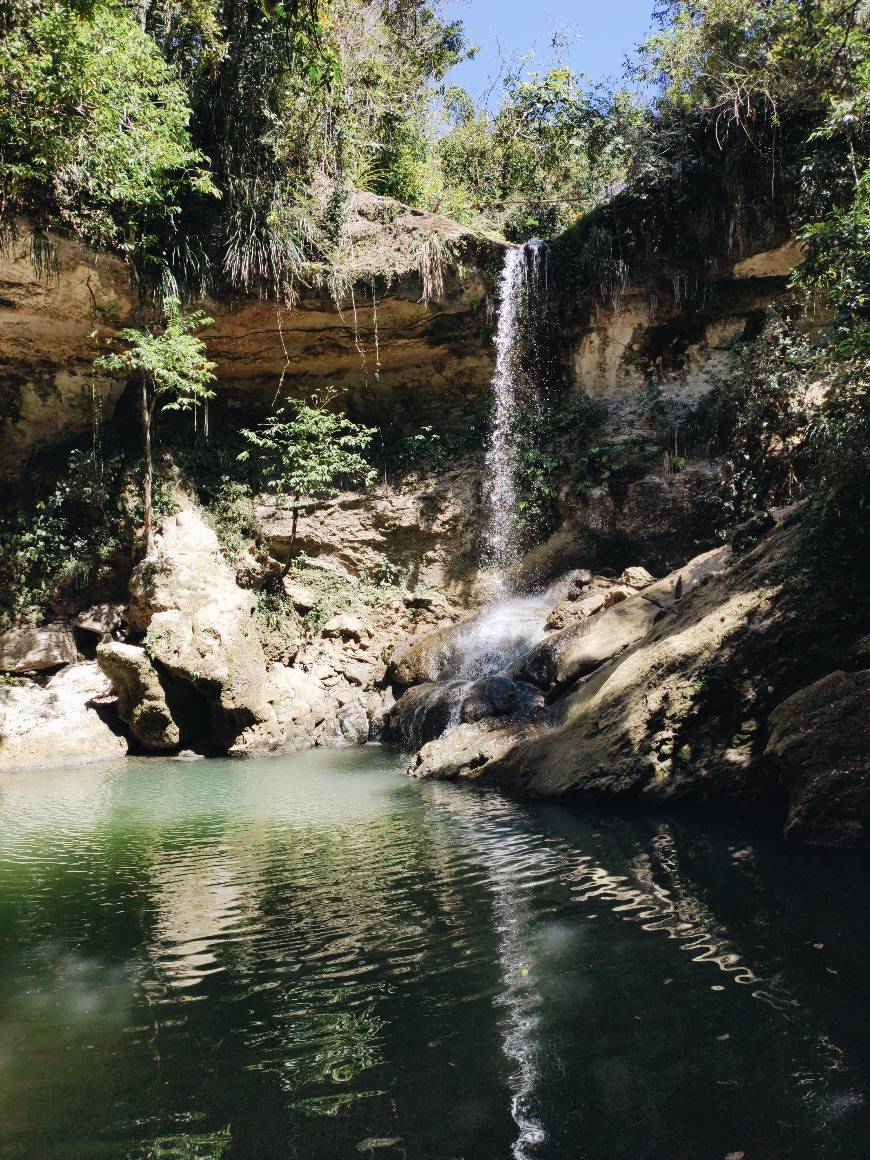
column 299, row 957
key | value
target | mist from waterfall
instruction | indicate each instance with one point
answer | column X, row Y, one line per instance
column 522, row 284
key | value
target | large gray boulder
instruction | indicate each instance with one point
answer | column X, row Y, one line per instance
column 199, row 626
column 36, row 650
column 142, row 703
column 57, row 724
column 820, row 742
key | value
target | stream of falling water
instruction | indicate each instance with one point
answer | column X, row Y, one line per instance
column 522, row 283
column 510, row 624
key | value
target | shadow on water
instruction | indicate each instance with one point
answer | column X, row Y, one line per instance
column 311, row 957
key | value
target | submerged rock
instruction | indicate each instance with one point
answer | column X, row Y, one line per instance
column 58, row 723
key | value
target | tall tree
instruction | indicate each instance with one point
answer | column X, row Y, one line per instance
column 171, row 366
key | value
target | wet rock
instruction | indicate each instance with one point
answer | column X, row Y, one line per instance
column 142, row 702
column 58, row 723
column 35, row 650
column 820, row 743
column 499, row 696
column 101, row 619
column 425, row 658
column 421, row 713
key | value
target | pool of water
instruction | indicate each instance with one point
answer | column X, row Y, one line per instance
column 312, row 957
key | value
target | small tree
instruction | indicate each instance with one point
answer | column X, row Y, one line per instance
column 306, row 450
column 171, row 366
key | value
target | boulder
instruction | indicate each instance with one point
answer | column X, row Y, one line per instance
column 300, row 596
column 636, row 577
column 575, row 651
column 425, row 657
column 499, row 696
column 820, row 743
column 101, row 618
column 57, row 724
column 569, row 612
column 346, row 626
column 35, row 650
column 667, row 592
column 200, row 626
column 425, row 712
column 422, row 712
column 142, row 703
column 299, row 714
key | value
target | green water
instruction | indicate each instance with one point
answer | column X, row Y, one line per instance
column 311, row 957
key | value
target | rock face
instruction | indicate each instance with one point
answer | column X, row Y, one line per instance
column 408, row 350
column 35, row 650
column 820, row 742
column 427, row 532
column 57, row 724
column 709, row 704
column 142, row 700
column 300, row 713
column 199, row 626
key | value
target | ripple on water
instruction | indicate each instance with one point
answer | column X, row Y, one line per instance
column 314, row 950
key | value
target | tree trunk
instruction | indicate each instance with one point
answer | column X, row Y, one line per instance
column 289, row 563
column 148, row 478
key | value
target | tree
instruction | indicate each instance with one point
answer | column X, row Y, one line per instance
column 171, row 365
column 306, row 451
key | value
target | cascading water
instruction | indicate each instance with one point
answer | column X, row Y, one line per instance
column 511, row 623
column 522, row 284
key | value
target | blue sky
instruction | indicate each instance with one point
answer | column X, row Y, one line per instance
column 602, row 33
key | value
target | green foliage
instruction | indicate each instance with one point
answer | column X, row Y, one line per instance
column 171, row 359
column 555, row 149
column 757, row 418
column 550, row 442
column 425, row 449
column 93, row 124
column 307, row 451
column 336, row 593
column 69, row 534
column 838, row 261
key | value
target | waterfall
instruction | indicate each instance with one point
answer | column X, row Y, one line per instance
column 522, row 283
column 510, row 624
